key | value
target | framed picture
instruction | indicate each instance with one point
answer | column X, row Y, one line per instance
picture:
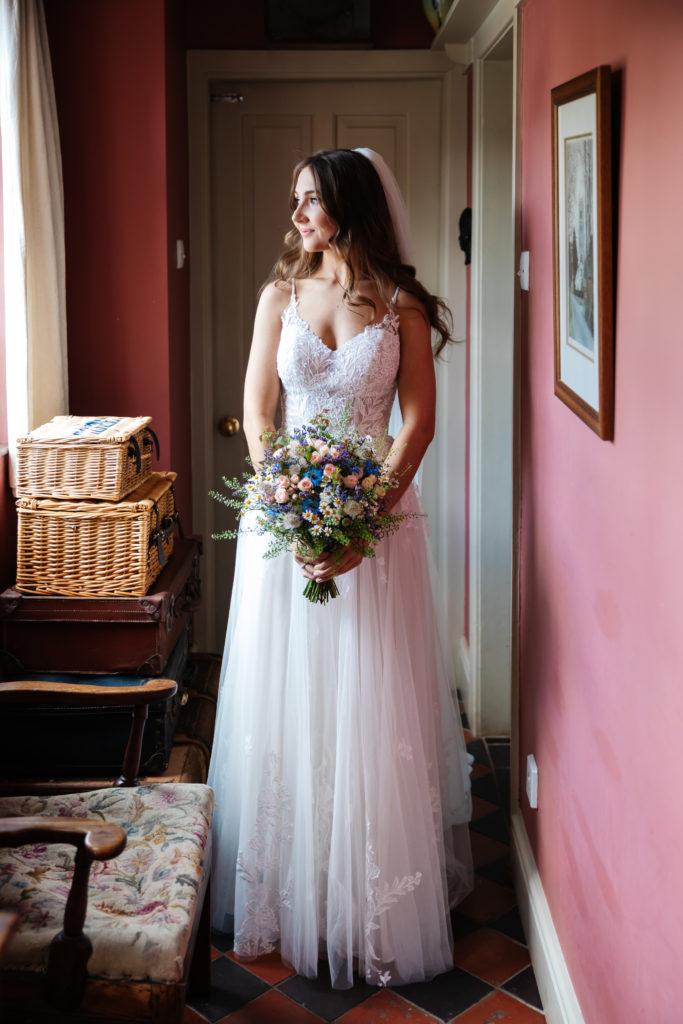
column 582, row 244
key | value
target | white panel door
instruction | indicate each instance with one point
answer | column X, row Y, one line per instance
column 254, row 144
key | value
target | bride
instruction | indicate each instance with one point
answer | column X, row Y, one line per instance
column 339, row 765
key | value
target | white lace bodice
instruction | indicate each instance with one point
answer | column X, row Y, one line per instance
column 360, row 376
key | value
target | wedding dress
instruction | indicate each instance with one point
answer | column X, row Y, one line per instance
column 339, row 765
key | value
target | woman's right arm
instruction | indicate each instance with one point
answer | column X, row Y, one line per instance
column 262, row 384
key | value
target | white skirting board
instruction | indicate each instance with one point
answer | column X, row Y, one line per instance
column 552, row 976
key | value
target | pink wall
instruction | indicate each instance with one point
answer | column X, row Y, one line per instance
column 125, row 205
column 601, row 646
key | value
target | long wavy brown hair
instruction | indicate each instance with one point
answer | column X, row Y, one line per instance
column 351, row 194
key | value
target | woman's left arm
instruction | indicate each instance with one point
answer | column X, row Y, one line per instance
column 416, row 396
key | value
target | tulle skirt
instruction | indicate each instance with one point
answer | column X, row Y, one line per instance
column 340, row 771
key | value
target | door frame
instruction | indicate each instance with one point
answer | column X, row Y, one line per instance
column 505, row 17
column 205, row 66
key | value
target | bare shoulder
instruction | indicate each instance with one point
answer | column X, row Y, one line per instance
column 274, row 298
column 410, row 309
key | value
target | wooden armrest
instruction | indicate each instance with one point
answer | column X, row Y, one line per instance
column 70, row 950
column 140, row 695
column 99, row 839
column 54, row 694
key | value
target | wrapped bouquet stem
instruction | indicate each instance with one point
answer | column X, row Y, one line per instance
column 316, row 492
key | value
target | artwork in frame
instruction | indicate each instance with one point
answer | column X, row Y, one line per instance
column 582, row 244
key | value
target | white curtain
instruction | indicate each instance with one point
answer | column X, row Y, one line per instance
column 33, row 212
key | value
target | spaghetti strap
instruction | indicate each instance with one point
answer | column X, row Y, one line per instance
column 393, row 297
column 293, row 290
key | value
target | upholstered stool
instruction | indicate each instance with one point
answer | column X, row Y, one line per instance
column 110, row 885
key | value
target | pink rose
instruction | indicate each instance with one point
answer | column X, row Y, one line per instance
column 335, row 451
column 294, row 478
column 305, row 484
column 369, row 482
column 281, row 495
column 282, row 481
column 324, row 450
column 329, row 469
column 316, row 458
column 350, row 481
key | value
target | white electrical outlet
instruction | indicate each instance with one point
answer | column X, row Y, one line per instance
column 532, row 781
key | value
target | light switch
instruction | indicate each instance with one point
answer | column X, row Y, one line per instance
column 523, row 272
column 180, row 254
column 532, row 781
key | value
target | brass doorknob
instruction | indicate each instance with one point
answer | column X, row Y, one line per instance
column 228, row 426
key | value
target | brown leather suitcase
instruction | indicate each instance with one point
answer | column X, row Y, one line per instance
column 85, row 741
column 102, row 636
column 193, row 739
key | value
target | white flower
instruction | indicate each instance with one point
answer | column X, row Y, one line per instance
column 353, row 508
column 291, row 520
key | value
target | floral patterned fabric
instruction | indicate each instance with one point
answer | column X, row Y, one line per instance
column 141, row 904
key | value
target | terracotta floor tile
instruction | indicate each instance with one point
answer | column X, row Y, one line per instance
column 270, row 1008
column 485, row 850
column 468, row 735
column 386, row 1008
column 191, row 1016
column 499, row 1008
column 270, row 968
column 215, row 953
column 490, row 955
column 488, row 900
column 480, row 769
column 481, row 807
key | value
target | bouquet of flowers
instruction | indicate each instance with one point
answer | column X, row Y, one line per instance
column 314, row 492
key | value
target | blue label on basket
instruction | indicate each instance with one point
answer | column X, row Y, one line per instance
column 97, row 426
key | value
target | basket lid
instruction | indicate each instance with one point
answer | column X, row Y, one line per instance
column 88, row 429
column 144, row 496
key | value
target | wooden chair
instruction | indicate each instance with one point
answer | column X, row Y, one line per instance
column 127, row 862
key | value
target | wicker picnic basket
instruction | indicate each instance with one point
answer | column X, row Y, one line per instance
column 96, row 548
column 84, row 457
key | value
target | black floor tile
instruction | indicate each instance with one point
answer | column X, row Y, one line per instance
column 222, row 941
column 523, row 985
column 503, row 780
column 492, row 825
column 446, row 995
column 477, row 748
column 510, row 924
column 499, row 752
column 462, row 925
column 231, row 987
column 499, row 871
column 485, row 787
column 318, row 996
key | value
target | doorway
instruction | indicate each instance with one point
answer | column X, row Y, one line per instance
column 252, row 116
column 492, row 389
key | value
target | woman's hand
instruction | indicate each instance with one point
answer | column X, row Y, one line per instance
column 331, row 563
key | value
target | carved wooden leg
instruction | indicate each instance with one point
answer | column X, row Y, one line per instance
column 131, row 759
column 70, row 950
column 200, row 968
